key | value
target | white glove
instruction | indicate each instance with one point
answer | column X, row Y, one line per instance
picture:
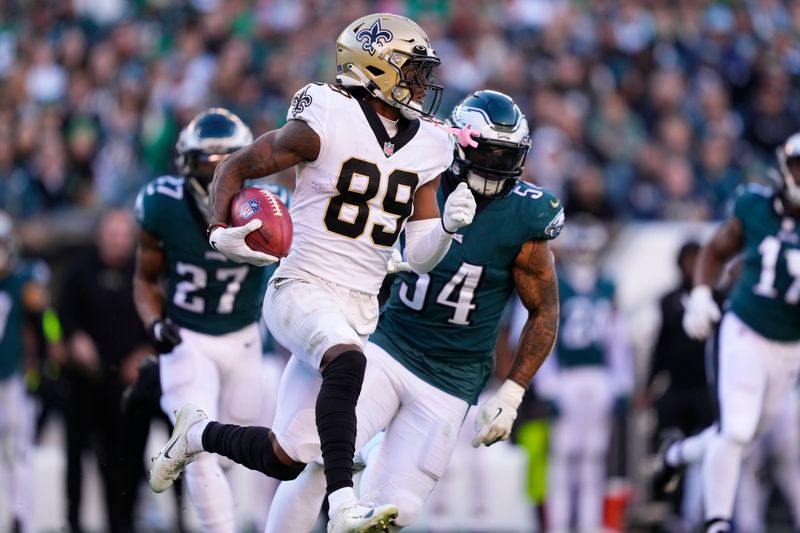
column 230, row 243
column 497, row 414
column 701, row 313
column 396, row 263
column 459, row 209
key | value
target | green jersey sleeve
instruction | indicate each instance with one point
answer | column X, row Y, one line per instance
column 150, row 206
column 540, row 213
column 747, row 196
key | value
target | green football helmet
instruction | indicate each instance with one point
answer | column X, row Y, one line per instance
column 207, row 140
column 493, row 167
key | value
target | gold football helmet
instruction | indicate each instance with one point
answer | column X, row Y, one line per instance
column 392, row 58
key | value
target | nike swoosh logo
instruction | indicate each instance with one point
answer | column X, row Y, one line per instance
column 554, row 203
column 166, row 452
column 499, row 410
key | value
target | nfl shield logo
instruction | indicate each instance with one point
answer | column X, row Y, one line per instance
column 388, row 148
column 251, row 207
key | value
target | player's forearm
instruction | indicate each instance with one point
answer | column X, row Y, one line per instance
column 713, row 256
column 535, row 344
column 228, row 179
column 272, row 152
column 709, row 266
column 537, row 285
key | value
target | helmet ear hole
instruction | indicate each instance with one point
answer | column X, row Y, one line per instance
column 375, row 71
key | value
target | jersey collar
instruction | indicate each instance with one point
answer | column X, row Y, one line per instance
column 406, row 129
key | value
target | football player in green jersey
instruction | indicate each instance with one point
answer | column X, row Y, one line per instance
column 200, row 308
column 759, row 337
column 21, row 291
column 432, row 352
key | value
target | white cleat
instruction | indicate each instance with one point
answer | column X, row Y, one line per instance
column 360, row 519
column 175, row 455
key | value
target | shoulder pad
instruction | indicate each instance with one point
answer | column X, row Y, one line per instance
column 168, row 186
column 154, row 195
column 539, row 209
column 434, row 127
column 755, row 188
column 748, row 195
column 313, row 98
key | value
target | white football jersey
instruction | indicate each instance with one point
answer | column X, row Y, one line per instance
column 350, row 204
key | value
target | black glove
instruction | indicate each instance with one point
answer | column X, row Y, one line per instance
column 144, row 395
column 164, row 335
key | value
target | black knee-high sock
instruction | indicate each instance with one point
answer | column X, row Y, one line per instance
column 249, row 446
column 336, row 416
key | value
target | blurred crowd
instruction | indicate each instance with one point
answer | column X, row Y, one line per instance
column 641, row 110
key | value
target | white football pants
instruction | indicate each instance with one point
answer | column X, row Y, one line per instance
column 220, row 374
column 755, row 376
column 422, row 424
column 782, row 444
column 308, row 315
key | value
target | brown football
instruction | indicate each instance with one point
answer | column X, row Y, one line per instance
column 274, row 237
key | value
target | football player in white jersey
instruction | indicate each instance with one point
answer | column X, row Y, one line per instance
column 367, row 159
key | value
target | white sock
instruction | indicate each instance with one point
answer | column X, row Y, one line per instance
column 194, row 436
column 690, row 450
column 673, row 456
column 340, row 497
column 721, row 467
column 694, row 448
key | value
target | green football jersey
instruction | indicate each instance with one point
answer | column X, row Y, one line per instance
column 204, row 291
column 767, row 292
column 585, row 316
column 443, row 325
column 11, row 320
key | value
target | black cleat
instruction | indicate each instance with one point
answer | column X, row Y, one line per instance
column 718, row 525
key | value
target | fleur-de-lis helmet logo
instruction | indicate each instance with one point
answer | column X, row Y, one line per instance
column 374, row 35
